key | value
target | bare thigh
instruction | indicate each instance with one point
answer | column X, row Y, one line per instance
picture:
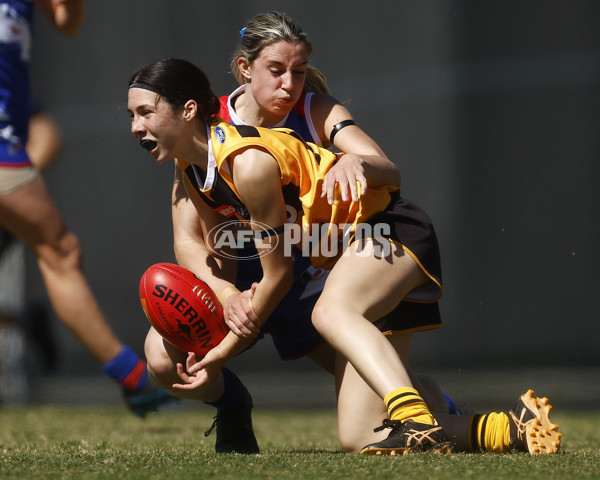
column 371, row 285
column 31, row 214
column 162, row 358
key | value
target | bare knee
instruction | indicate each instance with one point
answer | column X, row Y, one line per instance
column 160, row 366
column 347, row 437
column 323, row 317
column 161, row 371
column 60, row 255
column 351, row 444
column 353, row 440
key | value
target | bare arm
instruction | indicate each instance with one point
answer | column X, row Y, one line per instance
column 364, row 161
column 44, row 141
column 191, row 220
column 257, row 178
column 66, row 16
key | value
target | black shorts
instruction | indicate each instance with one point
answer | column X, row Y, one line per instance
column 410, row 227
column 409, row 317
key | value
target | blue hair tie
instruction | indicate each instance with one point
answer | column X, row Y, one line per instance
column 242, row 31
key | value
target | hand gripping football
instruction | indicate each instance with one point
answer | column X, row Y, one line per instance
column 182, row 308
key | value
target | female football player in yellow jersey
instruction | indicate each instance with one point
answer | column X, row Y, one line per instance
column 256, row 165
column 280, row 89
column 350, row 426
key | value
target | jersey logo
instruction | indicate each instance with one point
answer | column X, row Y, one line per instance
column 242, row 212
column 220, row 134
column 226, row 210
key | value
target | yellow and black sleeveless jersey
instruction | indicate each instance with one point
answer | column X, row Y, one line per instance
column 303, row 166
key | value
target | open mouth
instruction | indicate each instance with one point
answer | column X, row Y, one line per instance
column 148, row 144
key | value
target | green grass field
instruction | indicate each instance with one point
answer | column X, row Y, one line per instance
column 88, row 442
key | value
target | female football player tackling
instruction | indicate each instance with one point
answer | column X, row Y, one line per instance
column 172, row 110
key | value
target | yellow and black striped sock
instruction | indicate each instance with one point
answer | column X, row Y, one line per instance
column 405, row 403
column 490, row 432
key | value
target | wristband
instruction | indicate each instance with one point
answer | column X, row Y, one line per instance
column 226, row 293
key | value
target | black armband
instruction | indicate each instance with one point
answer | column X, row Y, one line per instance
column 338, row 126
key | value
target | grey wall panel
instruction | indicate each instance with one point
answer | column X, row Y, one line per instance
column 489, row 109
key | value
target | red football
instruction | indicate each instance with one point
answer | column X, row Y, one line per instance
column 182, row 308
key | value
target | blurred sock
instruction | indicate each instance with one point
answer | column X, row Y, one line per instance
column 128, row 369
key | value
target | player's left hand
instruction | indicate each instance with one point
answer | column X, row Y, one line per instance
column 346, row 174
column 198, row 373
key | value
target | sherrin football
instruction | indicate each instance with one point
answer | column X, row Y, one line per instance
column 182, row 308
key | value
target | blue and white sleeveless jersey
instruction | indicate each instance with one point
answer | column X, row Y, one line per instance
column 16, row 17
column 299, row 119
